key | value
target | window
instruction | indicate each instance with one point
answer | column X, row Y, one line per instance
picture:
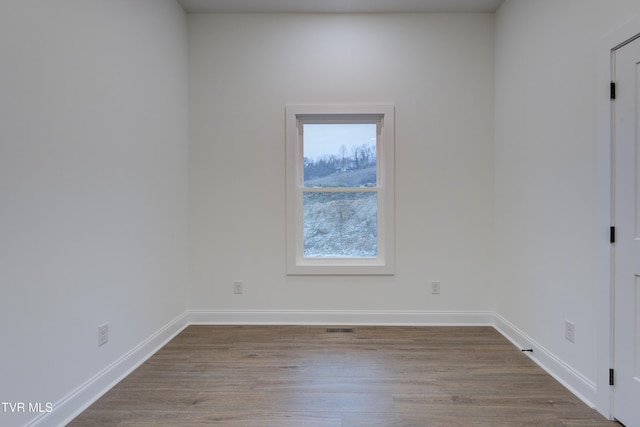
column 340, row 201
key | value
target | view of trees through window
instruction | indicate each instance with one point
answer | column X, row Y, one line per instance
column 340, row 199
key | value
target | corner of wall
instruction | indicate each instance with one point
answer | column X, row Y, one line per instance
column 77, row 401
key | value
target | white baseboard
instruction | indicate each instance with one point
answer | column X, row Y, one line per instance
column 338, row 317
column 73, row 404
column 77, row 401
column 575, row 382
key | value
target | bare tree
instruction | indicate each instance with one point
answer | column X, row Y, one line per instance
column 343, row 153
column 364, row 155
column 355, row 152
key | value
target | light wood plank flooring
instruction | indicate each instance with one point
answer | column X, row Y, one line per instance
column 296, row 376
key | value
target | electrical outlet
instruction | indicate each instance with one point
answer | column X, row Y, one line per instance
column 237, row 287
column 569, row 331
column 103, row 334
column 435, row 287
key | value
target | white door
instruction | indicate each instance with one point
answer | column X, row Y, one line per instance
column 626, row 146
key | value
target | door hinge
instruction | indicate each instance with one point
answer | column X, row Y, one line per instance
column 613, row 90
column 612, row 234
column 611, row 376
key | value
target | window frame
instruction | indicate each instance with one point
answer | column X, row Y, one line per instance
column 295, row 117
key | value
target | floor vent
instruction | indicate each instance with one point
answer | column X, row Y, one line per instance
column 340, row 330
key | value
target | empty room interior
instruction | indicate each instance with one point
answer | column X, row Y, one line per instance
column 145, row 185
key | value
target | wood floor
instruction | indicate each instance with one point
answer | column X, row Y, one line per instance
column 295, row 376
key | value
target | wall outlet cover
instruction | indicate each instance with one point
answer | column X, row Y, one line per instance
column 103, row 334
column 435, row 287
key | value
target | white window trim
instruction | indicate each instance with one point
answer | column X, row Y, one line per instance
column 384, row 263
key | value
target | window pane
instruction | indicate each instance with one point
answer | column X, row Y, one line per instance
column 339, row 154
column 340, row 224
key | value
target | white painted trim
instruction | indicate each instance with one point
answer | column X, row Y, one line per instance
column 72, row 405
column 336, row 317
column 604, row 250
column 573, row 380
column 384, row 117
column 80, row 399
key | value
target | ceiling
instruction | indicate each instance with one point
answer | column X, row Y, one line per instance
column 340, row 6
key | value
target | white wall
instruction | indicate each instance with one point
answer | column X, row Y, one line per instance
column 93, row 187
column 436, row 69
column 545, row 169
